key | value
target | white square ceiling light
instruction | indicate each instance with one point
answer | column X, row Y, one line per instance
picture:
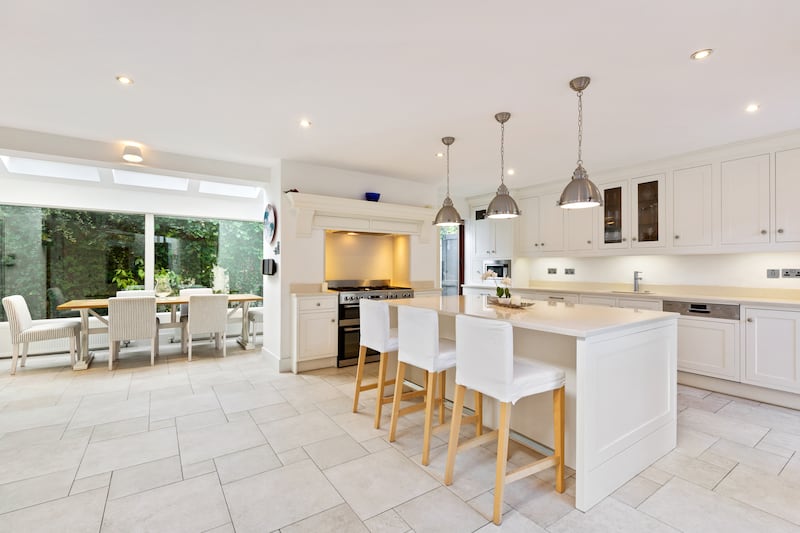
column 49, row 169
column 152, row 181
column 226, row 189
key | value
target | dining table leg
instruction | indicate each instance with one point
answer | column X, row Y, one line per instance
column 244, row 340
column 84, row 357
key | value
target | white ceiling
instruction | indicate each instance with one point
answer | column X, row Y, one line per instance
column 384, row 81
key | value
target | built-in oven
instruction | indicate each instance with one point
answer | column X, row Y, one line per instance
column 501, row 267
column 350, row 335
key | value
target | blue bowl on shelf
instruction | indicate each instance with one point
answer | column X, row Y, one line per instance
column 372, row 196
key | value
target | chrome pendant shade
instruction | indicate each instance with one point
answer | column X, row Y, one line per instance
column 447, row 215
column 502, row 205
column 580, row 192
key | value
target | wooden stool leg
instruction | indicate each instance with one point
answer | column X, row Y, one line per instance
column 455, row 427
column 430, row 395
column 502, row 452
column 362, row 355
column 558, row 436
column 398, row 393
column 381, row 384
column 442, row 383
column 478, row 414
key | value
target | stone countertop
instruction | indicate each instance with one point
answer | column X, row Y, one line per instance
column 694, row 293
column 573, row 320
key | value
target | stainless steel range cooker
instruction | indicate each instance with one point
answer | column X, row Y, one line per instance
column 350, row 292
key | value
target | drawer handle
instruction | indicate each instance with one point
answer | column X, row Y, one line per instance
column 588, row 242
column 780, row 230
column 749, row 319
column 763, row 232
column 555, row 297
column 318, row 304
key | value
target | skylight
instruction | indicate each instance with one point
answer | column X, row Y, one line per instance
column 225, row 189
column 49, row 169
column 153, row 181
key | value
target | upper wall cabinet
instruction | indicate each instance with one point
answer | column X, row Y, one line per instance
column 787, row 191
column 634, row 223
column 744, row 200
column 493, row 238
column 541, row 225
column 580, row 228
column 691, row 207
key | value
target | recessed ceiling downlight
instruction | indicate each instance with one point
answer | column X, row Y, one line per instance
column 752, row 108
column 124, row 80
column 132, row 154
column 701, row 54
column 305, row 123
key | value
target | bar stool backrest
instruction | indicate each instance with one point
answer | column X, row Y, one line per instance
column 374, row 321
column 418, row 336
column 484, row 353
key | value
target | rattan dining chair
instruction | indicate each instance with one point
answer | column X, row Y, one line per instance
column 131, row 319
column 208, row 313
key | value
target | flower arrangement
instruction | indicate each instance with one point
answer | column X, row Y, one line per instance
column 503, row 284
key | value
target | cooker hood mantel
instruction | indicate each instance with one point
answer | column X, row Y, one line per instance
column 331, row 213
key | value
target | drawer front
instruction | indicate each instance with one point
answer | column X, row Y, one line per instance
column 316, row 304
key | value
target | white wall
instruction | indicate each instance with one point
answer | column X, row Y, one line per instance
column 358, row 257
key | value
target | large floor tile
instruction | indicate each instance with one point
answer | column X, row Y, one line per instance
column 538, row 500
column 697, row 471
column 193, row 505
column 380, row 481
column 91, row 413
column 336, row 520
column 33, row 460
column 122, row 452
column 690, row 508
column 513, row 522
column 213, row 441
column 139, row 478
column 288, row 433
column 280, row 497
column 762, row 460
column 37, row 417
column 113, row 430
column 334, row 451
column 246, row 463
column 635, row 491
column 772, row 494
column 387, row 522
column 262, row 415
column 722, row 425
column 249, row 399
column 609, row 515
column 185, row 405
column 32, row 491
column 765, row 415
column 82, row 513
column 440, row 510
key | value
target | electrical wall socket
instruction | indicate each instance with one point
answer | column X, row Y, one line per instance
column 569, row 271
column 773, row 272
column 791, row 272
column 552, row 271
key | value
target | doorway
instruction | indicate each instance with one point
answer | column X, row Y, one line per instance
column 451, row 240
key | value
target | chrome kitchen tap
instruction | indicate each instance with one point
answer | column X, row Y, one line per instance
column 637, row 277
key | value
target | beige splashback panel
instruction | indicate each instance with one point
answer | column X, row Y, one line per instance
column 361, row 256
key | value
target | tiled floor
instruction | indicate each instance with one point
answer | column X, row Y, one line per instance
column 227, row 445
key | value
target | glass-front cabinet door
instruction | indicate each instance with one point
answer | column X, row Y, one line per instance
column 647, row 213
column 615, row 216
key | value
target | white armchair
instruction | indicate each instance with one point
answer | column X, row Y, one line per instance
column 25, row 330
column 208, row 313
column 131, row 319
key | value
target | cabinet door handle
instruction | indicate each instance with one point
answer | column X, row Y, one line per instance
column 780, row 230
column 763, row 232
column 588, row 242
column 536, row 244
column 333, row 320
column 624, row 239
column 542, row 244
column 633, row 239
column 750, row 319
column 677, row 236
column 318, row 304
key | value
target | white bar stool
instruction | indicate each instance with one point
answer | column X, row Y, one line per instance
column 485, row 362
column 376, row 334
column 421, row 346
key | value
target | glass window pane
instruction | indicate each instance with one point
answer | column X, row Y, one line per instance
column 53, row 255
column 222, row 254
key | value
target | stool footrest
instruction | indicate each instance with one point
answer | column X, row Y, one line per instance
column 411, row 409
column 532, row 468
column 477, row 441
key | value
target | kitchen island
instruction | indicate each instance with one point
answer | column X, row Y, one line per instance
column 620, row 367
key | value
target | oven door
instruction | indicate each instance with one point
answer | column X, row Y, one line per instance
column 349, row 343
column 348, row 313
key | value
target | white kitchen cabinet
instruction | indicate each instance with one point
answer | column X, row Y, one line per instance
column 691, row 207
column 744, row 200
column 772, row 348
column 614, row 216
column 580, row 229
column 647, row 211
column 787, row 191
column 541, row 225
column 639, row 303
column 315, row 331
column 553, row 297
column 493, row 238
column 709, row 347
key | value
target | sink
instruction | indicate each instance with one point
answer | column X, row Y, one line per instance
column 633, row 292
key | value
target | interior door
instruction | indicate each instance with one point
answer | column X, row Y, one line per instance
column 450, row 262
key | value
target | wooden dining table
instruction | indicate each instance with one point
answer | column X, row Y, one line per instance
column 88, row 307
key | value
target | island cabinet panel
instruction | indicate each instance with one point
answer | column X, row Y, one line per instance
column 772, row 348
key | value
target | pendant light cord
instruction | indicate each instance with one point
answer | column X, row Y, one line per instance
column 580, row 127
column 448, row 171
column 502, row 151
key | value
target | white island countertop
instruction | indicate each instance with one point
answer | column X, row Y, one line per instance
column 574, row 320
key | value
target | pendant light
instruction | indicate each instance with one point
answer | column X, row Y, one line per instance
column 580, row 192
column 447, row 215
column 502, row 205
